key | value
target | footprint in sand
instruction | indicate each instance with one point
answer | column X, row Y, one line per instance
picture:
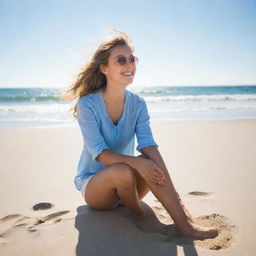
column 51, row 216
column 42, row 206
column 226, row 231
column 222, row 241
column 11, row 220
column 10, row 217
column 10, row 223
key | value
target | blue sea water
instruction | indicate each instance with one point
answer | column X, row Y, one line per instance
column 41, row 107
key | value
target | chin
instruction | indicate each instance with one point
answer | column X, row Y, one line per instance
column 127, row 83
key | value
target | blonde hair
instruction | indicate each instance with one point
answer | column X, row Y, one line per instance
column 91, row 79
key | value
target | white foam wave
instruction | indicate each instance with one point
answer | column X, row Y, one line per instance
column 217, row 97
column 36, row 120
column 203, row 108
column 46, row 108
column 57, row 109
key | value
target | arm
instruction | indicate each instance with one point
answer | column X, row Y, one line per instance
column 109, row 157
column 92, row 138
column 145, row 167
column 154, row 154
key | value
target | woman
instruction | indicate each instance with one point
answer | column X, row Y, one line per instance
column 109, row 116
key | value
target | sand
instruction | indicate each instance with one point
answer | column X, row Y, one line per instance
column 213, row 167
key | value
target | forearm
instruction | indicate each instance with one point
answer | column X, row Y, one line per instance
column 153, row 153
column 109, row 157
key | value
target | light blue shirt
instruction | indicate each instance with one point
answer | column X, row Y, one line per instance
column 100, row 133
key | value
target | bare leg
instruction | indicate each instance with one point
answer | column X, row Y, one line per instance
column 126, row 188
column 143, row 189
column 120, row 180
column 185, row 209
column 116, row 180
column 169, row 198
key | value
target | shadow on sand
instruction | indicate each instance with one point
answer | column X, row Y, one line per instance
column 116, row 232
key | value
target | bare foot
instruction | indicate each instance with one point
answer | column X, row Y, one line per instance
column 200, row 232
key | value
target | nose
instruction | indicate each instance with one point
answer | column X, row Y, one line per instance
column 129, row 63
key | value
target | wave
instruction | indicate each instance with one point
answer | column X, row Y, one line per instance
column 204, row 108
column 216, row 97
column 36, row 120
column 27, row 98
column 46, row 108
column 193, row 90
column 150, row 99
column 57, row 109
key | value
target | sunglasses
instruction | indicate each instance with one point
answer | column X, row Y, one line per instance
column 122, row 60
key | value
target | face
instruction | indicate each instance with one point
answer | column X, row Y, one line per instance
column 117, row 74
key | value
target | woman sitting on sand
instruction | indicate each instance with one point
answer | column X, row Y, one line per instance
column 109, row 116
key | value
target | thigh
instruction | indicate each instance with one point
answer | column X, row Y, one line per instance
column 100, row 192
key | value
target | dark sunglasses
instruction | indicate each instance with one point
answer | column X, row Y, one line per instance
column 122, row 60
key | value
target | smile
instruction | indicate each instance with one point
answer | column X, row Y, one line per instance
column 127, row 74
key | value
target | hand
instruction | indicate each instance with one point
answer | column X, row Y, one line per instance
column 149, row 170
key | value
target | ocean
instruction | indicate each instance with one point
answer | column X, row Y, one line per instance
column 41, row 107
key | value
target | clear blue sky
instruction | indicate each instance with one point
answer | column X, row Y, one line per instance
column 178, row 42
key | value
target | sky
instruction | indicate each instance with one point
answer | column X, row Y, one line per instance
column 178, row 42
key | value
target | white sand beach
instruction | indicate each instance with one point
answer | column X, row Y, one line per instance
column 213, row 167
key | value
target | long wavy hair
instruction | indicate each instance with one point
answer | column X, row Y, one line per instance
column 91, row 79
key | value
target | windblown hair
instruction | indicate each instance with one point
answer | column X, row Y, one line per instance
column 91, row 79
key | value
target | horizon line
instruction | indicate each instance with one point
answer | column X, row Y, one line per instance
column 141, row 86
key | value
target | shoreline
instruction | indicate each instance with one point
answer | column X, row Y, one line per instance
column 151, row 121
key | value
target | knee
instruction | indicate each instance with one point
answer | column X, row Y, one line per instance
column 123, row 175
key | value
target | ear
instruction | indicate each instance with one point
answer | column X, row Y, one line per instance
column 103, row 69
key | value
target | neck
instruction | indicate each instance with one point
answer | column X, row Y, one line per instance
column 112, row 94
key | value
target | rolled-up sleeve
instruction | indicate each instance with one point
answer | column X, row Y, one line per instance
column 93, row 139
column 143, row 129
